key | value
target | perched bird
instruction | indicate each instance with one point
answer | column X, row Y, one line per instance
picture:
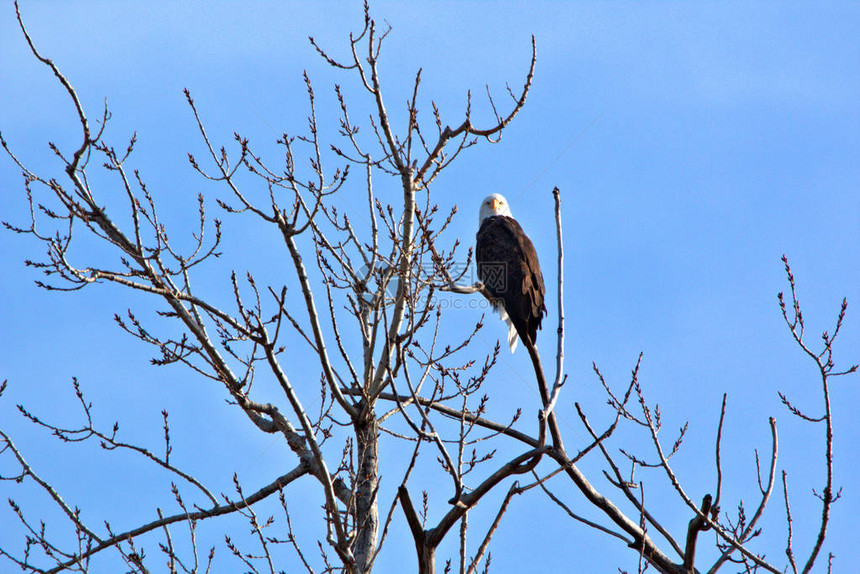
column 508, row 267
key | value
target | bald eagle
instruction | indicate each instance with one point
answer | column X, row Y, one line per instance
column 508, row 267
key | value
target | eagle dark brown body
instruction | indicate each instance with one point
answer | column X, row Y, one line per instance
column 508, row 266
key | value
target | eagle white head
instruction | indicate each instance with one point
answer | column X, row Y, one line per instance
column 494, row 204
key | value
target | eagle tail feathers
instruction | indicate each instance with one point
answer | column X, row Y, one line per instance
column 513, row 338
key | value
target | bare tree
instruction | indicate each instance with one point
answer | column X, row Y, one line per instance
column 365, row 304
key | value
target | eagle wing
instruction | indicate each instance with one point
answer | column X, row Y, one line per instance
column 508, row 265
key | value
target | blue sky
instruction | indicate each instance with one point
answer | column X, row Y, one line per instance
column 694, row 145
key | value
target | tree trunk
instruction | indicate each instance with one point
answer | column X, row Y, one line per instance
column 426, row 560
column 366, row 480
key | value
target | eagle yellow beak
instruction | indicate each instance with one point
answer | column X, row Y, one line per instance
column 496, row 204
